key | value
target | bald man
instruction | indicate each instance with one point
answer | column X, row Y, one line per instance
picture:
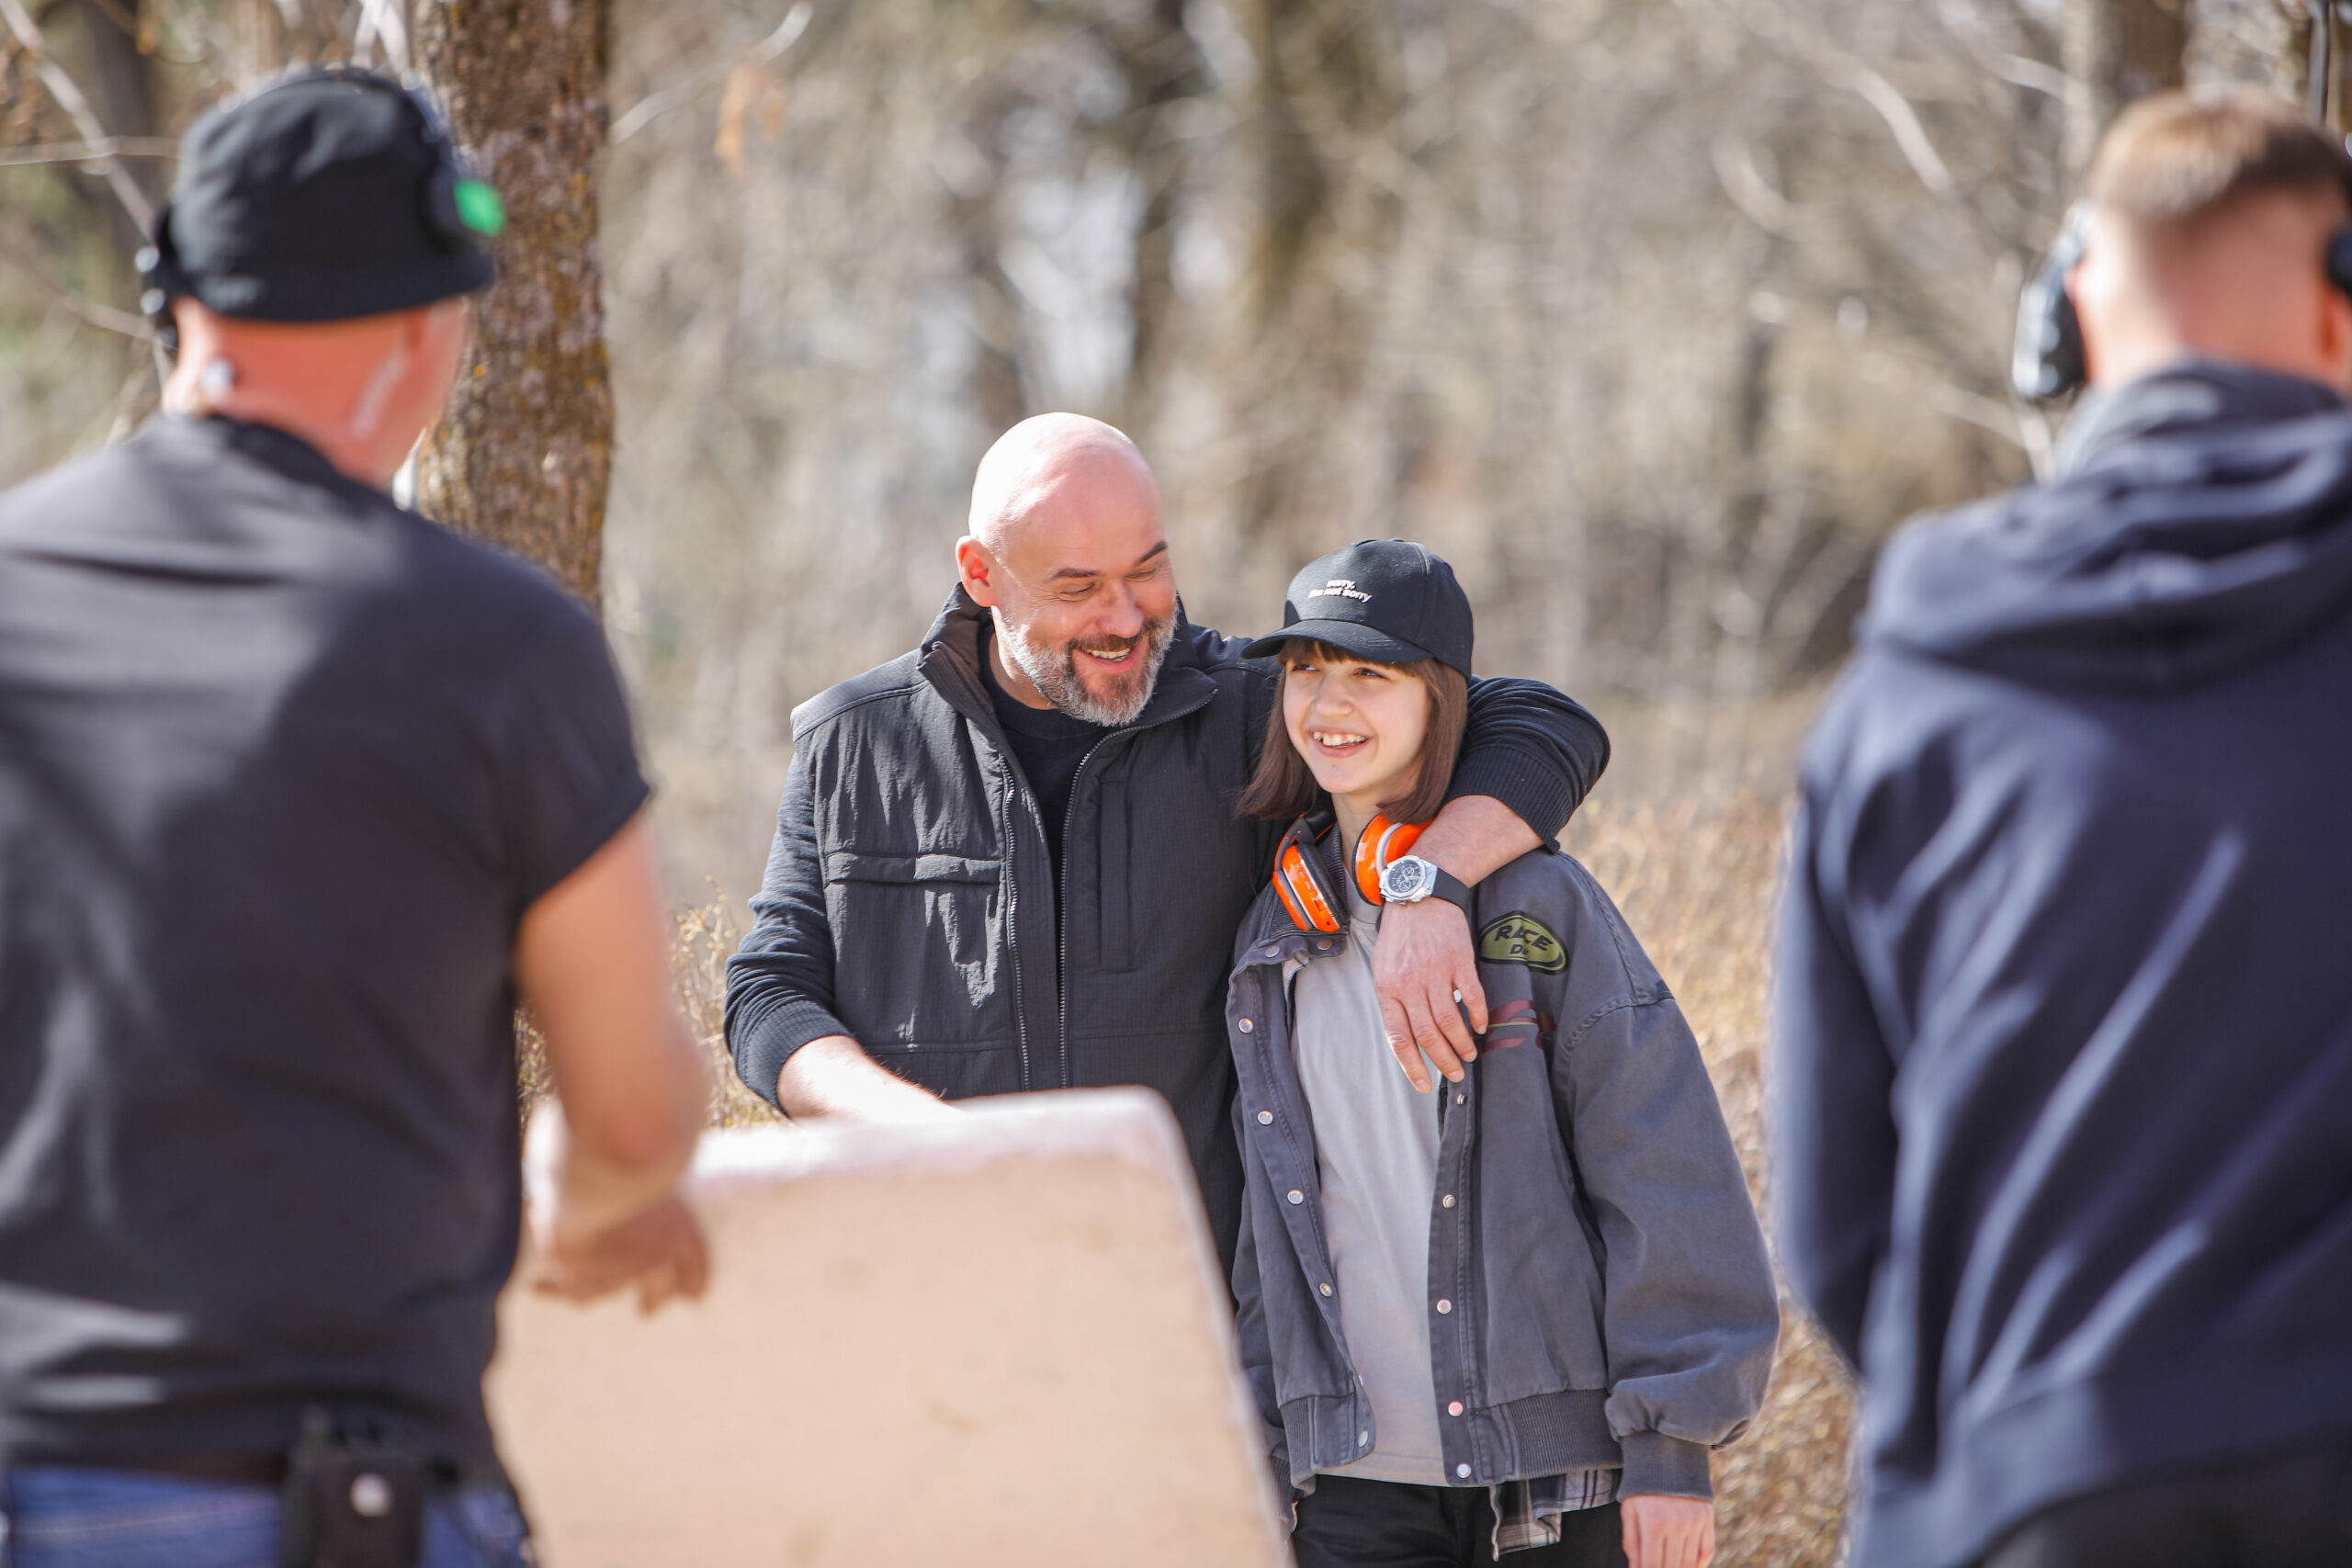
column 2064, row 1071
column 1009, row 860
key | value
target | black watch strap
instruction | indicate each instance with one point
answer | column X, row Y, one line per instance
column 1450, row 888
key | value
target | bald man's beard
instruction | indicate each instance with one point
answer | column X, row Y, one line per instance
column 1055, row 671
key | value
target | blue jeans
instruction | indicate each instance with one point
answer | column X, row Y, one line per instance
column 59, row 1517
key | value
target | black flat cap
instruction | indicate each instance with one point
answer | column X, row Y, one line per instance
column 1388, row 601
column 329, row 193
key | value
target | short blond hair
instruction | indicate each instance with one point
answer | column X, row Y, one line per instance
column 2174, row 159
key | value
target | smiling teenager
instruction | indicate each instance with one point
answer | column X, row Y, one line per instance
column 1506, row 1315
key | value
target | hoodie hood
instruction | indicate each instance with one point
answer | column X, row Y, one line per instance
column 2201, row 524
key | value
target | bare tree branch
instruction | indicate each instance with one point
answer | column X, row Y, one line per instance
column 1973, row 408
column 89, row 151
column 382, row 26
column 2031, row 75
column 1910, row 136
column 69, row 96
column 104, row 317
column 654, row 105
column 1755, row 196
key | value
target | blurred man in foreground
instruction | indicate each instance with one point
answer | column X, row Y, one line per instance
column 297, row 791
column 1010, row 860
column 2064, row 1063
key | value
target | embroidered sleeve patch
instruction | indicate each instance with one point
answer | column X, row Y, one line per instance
column 1518, row 939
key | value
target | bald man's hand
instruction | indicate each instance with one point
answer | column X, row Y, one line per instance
column 1423, row 966
column 1427, row 978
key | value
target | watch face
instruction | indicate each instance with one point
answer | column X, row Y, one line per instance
column 1408, row 881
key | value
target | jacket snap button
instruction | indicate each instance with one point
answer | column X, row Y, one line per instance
column 1463, row 1470
column 1326, row 1289
column 1444, row 1202
column 1443, row 1305
column 1323, row 946
column 1454, row 1408
column 1247, row 1026
column 1273, row 953
column 1265, row 1119
column 1458, row 1100
column 1363, row 1440
column 1296, row 1196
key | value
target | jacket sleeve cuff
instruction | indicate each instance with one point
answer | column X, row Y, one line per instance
column 1663, row 1466
column 762, row 1044
column 1532, row 787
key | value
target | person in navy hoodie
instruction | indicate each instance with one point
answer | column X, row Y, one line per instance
column 2064, row 1075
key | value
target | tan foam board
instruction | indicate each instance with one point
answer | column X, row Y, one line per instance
column 995, row 1342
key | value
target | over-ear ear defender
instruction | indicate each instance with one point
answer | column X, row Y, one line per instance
column 1302, row 874
column 1381, row 843
column 1299, row 876
column 160, row 279
column 2049, row 362
column 2339, row 259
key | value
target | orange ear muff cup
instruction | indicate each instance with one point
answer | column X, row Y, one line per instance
column 1382, row 842
column 1296, row 885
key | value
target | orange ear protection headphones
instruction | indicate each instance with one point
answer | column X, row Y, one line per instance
column 1300, row 869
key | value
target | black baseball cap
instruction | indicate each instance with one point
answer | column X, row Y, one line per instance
column 1389, row 600
column 328, row 193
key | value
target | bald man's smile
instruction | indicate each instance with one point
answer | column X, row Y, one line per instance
column 1115, row 656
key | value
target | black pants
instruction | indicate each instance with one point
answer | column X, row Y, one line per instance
column 2291, row 1510
column 1347, row 1523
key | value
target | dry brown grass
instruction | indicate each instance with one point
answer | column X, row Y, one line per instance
column 1695, row 881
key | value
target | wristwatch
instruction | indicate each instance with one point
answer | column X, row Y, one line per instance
column 1408, row 879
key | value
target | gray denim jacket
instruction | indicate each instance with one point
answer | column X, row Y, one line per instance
column 1598, row 1289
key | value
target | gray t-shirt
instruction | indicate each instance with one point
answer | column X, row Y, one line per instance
column 1375, row 1150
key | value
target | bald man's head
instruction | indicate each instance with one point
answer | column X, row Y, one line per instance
column 1064, row 454
column 1067, row 553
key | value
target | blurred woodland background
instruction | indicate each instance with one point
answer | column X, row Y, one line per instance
column 1653, row 316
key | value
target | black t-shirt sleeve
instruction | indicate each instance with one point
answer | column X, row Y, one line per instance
column 567, row 757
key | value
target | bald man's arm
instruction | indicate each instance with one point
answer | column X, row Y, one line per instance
column 834, row 1076
column 789, row 1046
column 1529, row 755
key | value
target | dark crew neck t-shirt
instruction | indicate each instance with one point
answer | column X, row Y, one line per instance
column 281, row 767
column 1048, row 744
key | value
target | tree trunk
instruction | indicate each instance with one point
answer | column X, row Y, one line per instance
column 1162, row 67
column 523, row 458
column 1323, row 232
column 2337, row 110
column 2117, row 50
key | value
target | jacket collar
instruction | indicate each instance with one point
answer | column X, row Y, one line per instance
column 951, row 663
column 2190, row 396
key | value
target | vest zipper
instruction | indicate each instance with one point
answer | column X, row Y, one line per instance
column 1061, row 912
column 1012, row 928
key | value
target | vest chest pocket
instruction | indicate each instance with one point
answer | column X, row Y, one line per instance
column 917, row 950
